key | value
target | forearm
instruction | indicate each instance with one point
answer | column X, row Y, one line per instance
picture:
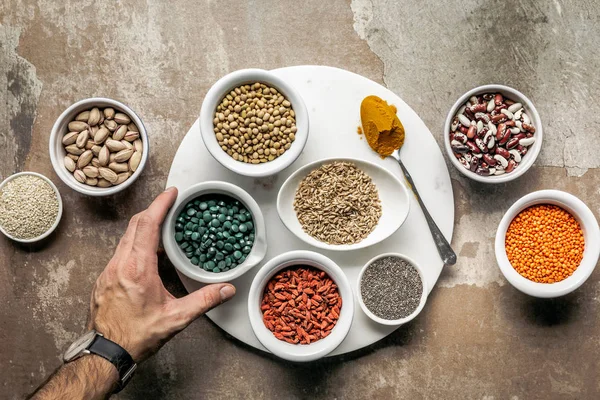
column 89, row 377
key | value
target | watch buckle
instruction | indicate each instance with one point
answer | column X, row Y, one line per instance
column 128, row 374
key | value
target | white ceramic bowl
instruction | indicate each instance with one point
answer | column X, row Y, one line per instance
column 58, row 216
column 298, row 352
column 591, row 234
column 57, row 151
column 533, row 151
column 220, row 90
column 400, row 321
column 395, row 204
column 195, row 272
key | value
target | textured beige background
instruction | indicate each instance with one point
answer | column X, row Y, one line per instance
column 477, row 339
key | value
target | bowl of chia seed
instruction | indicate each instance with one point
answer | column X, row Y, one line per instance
column 30, row 207
column 215, row 232
column 392, row 289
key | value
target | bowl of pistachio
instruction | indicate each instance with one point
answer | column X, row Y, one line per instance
column 98, row 146
column 215, row 232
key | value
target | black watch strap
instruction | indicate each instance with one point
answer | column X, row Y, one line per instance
column 117, row 355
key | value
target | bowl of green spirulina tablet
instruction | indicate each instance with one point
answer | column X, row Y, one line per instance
column 215, row 232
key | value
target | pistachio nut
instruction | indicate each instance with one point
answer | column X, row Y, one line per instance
column 90, row 171
column 115, row 145
column 82, row 138
column 122, row 177
column 133, row 127
column 121, row 118
column 73, row 149
column 104, row 156
column 132, row 136
column 79, row 176
column 134, row 160
column 119, row 134
column 108, row 174
column 109, row 113
column 84, row 159
column 127, row 144
column 94, row 117
column 123, row 155
column 69, row 164
column 119, row 167
column 83, row 116
column 101, row 135
column 138, row 145
column 70, row 138
column 103, row 183
column 111, row 125
column 77, row 126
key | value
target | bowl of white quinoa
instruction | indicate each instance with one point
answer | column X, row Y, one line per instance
column 30, row 207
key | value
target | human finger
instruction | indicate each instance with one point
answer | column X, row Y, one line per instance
column 126, row 242
column 148, row 225
column 203, row 300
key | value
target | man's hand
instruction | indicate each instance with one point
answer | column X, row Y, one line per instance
column 130, row 305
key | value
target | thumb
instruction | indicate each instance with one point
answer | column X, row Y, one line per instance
column 203, row 300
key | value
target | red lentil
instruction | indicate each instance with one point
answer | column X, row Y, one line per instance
column 301, row 305
column 544, row 243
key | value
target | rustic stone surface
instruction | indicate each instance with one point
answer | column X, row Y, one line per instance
column 477, row 338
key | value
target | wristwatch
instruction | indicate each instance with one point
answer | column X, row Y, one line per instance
column 94, row 342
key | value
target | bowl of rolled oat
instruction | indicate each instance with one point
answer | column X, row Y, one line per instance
column 343, row 204
column 254, row 123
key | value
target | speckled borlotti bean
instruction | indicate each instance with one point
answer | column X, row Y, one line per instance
column 490, row 134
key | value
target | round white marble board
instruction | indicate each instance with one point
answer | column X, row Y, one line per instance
column 333, row 98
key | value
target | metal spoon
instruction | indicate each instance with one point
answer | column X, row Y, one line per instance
column 446, row 253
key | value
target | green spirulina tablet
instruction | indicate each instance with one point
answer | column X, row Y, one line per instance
column 215, row 232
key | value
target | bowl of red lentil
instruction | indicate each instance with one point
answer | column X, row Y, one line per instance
column 548, row 243
column 300, row 306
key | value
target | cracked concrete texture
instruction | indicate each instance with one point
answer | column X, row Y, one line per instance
column 478, row 337
column 434, row 52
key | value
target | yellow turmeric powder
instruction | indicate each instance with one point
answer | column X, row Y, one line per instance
column 381, row 126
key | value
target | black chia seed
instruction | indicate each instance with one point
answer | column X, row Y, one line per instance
column 391, row 288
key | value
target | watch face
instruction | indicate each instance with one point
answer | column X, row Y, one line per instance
column 76, row 349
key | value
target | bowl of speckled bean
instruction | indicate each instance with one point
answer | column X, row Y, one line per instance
column 493, row 134
column 215, row 232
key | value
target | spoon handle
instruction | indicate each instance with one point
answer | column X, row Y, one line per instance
column 446, row 253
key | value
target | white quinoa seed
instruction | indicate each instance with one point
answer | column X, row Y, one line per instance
column 28, row 207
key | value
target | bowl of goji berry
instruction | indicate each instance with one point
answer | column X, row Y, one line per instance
column 301, row 306
column 548, row 243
